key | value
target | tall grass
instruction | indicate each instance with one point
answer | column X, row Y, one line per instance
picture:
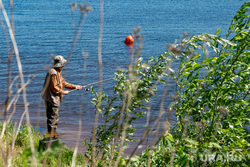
column 19, row 143
column 21, row 154
column 211, row 109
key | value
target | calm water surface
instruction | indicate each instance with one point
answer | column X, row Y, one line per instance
column 45, row 27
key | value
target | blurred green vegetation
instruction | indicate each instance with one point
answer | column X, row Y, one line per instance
column 211, row 103
column 21, row 154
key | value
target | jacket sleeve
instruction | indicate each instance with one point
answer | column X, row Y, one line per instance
column 54, row 85
column 68, row 85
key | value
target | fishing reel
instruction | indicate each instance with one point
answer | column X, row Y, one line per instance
column 87, row 89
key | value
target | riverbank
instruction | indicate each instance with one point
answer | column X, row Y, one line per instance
column 18, row 150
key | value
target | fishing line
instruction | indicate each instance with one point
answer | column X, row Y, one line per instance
column 84, row 86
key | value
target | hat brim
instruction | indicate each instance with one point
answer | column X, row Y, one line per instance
column 59, row 64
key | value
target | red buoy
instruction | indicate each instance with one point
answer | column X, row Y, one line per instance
column 129, row 40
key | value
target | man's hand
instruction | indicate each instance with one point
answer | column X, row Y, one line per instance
column 78, row 87
column 65, row 92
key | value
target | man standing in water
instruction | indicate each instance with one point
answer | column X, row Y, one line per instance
column 53, row 92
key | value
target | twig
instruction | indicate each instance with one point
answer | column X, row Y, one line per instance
column 93, row 156
column 11, row 32
column 10, row 86
column 80, row 115
column 77, row 32
column 142, row 138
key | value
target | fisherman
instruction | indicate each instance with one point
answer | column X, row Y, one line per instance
column 53, row 91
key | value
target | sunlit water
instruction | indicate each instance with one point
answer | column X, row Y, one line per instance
column 45, row 27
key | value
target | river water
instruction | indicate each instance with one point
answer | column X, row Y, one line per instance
column 46, row 27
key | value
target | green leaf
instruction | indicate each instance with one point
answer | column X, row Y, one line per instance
column 217, row 32
column 185, row 74
column 169, row 137
column 214, row 145
column 195, row 57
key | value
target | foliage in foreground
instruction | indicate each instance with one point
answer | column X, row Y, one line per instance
column 212, row 86
column 211, row 105
column 58, row 156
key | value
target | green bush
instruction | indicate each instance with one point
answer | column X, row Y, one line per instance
column 212, row 87
column 212, row 109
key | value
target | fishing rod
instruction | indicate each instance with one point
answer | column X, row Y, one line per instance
column 84, row 86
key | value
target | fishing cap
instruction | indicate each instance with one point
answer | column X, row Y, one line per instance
column 58, row 61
